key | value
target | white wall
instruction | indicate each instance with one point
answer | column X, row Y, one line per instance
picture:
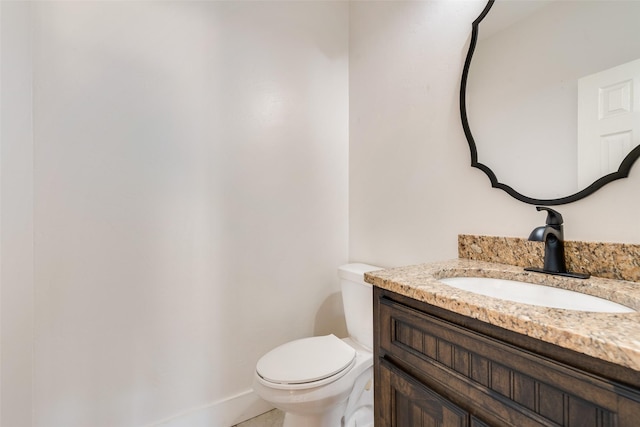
column 411, row 188
column 16, row 217
column 190, row 204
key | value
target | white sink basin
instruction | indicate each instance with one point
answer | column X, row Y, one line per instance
column 540, row 295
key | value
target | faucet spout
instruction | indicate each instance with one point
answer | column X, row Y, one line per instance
column 538, row 234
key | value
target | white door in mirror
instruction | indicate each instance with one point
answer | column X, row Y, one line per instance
column 608, row 120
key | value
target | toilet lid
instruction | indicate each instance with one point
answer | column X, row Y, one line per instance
column 306, row 360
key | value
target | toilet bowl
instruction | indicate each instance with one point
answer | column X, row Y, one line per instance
column 326, row 381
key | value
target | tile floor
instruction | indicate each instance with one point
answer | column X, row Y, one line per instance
column 272, row 418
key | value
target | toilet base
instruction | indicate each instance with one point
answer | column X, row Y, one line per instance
column 362, row 418
column 332, row 418
column 356, row 411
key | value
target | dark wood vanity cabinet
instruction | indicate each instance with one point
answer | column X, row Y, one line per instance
column 437, row 368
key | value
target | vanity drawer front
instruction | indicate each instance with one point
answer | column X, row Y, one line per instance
column 508, row 386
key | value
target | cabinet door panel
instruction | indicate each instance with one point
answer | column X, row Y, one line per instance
column 412, row 404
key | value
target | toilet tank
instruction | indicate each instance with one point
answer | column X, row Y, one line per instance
column 357, row 300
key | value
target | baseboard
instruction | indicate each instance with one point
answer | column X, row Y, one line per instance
column 223, row 413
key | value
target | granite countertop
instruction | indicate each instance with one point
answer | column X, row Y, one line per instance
column 614, row 337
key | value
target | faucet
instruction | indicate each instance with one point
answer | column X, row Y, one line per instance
column 553, row 237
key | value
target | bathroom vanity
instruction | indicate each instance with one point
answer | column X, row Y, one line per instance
column 448, row 357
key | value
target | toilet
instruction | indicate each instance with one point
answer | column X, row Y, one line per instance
column 326, row 381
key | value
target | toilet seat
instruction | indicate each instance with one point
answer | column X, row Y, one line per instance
column 306, row 363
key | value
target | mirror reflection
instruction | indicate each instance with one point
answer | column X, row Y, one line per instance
column 551, row 94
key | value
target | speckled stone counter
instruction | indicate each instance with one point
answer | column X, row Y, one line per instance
column 614, row 337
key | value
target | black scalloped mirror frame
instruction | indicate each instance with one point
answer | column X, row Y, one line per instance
column 622, row 172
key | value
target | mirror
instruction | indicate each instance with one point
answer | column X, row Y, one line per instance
column 550, row 96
